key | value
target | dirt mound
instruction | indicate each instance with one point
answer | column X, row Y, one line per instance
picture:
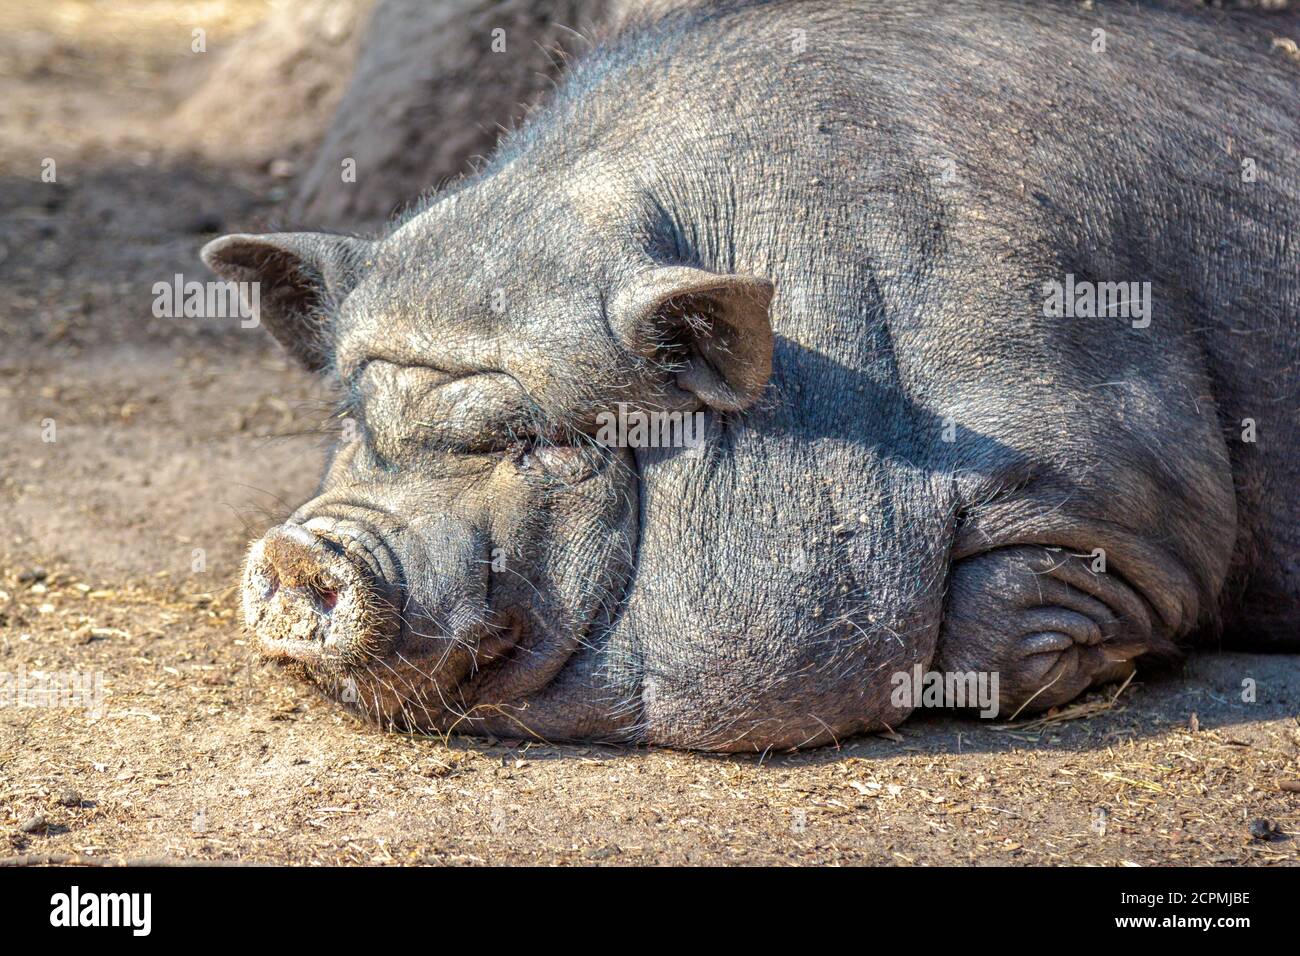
column 434, row 87
column 367, row 105
column 270, row 93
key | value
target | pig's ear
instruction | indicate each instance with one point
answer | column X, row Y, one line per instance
column 300, row 277
column 715, row 326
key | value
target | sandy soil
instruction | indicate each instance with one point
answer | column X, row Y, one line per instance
column 176, row 440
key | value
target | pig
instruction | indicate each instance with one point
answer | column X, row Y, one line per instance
column 987, row 313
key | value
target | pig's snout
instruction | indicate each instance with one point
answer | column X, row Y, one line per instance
column 307, row 600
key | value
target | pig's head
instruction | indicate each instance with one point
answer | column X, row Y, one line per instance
column 415, row 589
column 469, row 532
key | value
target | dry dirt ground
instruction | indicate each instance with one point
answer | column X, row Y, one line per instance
column 175, row 440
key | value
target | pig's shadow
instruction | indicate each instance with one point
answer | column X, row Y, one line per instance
column 813, row 397
column 1209, row 685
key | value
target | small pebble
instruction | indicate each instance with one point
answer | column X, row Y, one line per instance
column 36, row 824
column 1261, row 829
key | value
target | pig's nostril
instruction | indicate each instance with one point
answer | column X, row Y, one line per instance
column 306, row 598
column 326, row 596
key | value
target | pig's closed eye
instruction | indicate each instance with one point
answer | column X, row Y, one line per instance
column 568, row 464
column 412, row 409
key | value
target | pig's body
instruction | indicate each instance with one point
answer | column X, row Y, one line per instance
column 939, row 471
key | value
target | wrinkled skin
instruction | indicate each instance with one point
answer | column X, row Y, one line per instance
column 907, row 461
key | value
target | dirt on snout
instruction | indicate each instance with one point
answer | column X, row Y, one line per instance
column 140, row 453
